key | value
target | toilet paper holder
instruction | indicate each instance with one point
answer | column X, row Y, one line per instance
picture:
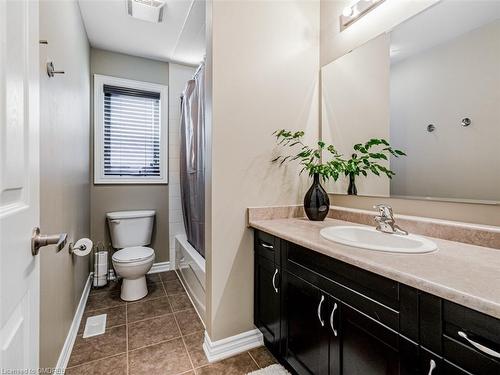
column 72, row 247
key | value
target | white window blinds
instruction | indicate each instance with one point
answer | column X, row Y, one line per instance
column 131, row 139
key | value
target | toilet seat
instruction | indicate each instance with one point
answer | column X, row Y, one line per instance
column 133, row 254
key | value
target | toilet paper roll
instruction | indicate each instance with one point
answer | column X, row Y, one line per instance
column 77, row 247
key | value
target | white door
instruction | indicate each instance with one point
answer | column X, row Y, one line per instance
column 19, row 184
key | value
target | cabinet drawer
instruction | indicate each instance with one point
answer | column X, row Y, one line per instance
column 376, row 287
column 267, row 246
column 468, row 336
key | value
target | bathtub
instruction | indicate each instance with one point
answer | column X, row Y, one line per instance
column 190, row 267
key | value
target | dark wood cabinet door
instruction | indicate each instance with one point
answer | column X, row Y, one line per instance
column 367, row 347
column 335, row 330
column 267, row 312
column 307, row 336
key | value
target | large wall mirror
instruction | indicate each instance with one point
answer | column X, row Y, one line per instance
column 431, row 88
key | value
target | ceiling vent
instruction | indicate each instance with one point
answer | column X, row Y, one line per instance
column 146, row 10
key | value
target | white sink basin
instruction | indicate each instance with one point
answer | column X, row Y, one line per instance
column 372, row 239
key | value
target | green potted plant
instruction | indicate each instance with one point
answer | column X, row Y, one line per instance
column 316, row 201
column 367, row 160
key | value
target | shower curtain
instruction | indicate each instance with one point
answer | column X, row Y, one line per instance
column 192, row 160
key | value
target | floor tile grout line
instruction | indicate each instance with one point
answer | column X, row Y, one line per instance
column 159, row 316
column 156, row 343
column 172, row 313
column 113, row 327
column 142, row 320
column 126, row 333
column 187, row 352
column 251, row 356
column 180, row 331
column 106, row 308
column 151, row 317
column 175, row 338
column 96, row 360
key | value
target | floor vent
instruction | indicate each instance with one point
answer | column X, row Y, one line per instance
column 95, row 325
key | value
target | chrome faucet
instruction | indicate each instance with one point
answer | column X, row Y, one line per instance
column 385, row 220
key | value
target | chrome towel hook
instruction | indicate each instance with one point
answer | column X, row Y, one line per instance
column 51, row 71
column 72, row 248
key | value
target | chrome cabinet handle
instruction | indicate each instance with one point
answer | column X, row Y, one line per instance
column 319, row 311
column 274, row 281
column 478, row 346
column 40, row 240
column 432, row 366
column 266, row 245
column 332, row 315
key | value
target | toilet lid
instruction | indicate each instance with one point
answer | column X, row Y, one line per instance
column 133, row 254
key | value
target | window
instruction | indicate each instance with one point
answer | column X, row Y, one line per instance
column 130, row 125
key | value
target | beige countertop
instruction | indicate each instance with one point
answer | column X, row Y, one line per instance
column 466, row 274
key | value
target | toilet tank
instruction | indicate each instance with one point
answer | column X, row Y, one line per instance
column 130, row 228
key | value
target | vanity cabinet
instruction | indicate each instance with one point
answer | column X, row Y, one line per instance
column 327, row 336
column 467, row 339
column 308, row 340
column 267, row 289
column 320, row 316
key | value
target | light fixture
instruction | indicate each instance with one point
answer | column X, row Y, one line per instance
column 146, row 10
column 355, row 11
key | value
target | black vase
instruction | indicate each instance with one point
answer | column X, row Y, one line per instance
column 351, row 190
column 316, row 202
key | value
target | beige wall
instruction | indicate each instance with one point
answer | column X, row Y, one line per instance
column 64, row 169
column 335, row 44
column 178, row 77
column 261, row 76
column 439, row 76
column 107, row 198
column 355, row 107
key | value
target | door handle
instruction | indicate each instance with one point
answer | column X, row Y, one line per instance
column 40, row 240
column 478, row 346
column 267, row 246
column 332, row 315
column 432, row 366
column 319, row 311
column 274, row 281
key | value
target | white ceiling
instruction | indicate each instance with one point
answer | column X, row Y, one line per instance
column 180, row 37
column 440, row 23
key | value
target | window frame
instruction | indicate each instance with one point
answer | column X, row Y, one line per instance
column 99, row 177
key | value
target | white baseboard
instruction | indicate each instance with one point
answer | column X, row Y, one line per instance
column 63, row 360
column 230, row 346
column 160, row 267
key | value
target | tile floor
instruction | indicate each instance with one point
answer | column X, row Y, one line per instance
column 160, row 334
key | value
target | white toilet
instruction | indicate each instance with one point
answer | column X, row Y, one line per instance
column 131, row 231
